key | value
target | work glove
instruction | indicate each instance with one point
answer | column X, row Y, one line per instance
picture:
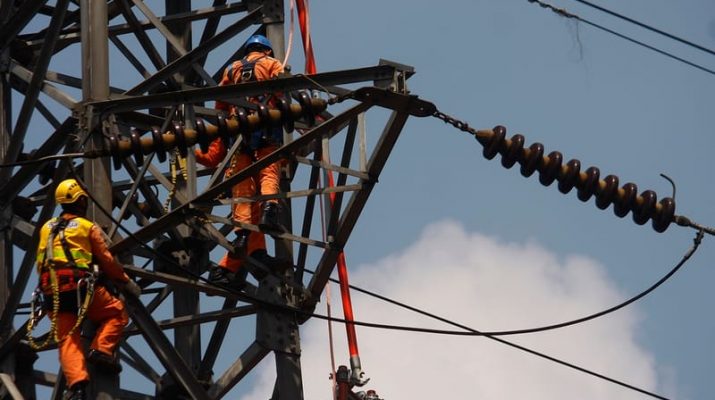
column 131, row 287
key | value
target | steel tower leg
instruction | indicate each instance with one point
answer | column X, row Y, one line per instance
column 289, row 381
column 97, row 175
column 187, row 340
column 6, row 256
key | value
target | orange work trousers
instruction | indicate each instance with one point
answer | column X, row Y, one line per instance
column 108, row 313
column 265, row 182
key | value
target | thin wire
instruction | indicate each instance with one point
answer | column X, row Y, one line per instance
column 648, row 27
column 290, row 33
column 52, row 158
column 474, row 332
column 562, row 12
column 686, row 257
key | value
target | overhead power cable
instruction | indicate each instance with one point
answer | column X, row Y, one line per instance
column 474, row 332
column 648, row 27
column 562, row 12
column 696, row 243
column 290, row 310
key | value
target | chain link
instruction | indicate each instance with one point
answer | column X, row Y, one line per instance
column 461, row 125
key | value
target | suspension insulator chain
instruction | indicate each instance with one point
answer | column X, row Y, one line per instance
column 181, row 137
column 569, row 175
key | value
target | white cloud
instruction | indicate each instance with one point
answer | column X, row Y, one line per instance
column 489, row 285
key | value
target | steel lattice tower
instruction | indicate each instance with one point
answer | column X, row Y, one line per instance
column 59, row 97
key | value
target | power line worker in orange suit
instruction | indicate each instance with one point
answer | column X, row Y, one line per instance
column 257, row 65
column 69, row 246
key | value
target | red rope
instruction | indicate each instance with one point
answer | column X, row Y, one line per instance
column 310, row 68
column 304, row 20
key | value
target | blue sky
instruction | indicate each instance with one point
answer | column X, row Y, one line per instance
column 592, row 96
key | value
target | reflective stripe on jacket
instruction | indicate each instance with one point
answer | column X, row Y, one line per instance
column 76, row 235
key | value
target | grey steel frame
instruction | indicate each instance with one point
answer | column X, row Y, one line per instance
column 178, row 85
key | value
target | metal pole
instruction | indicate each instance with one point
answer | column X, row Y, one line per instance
column 6, row 258
column 289, row 382
column 187, row 340
column 95, row 87
column 97, row 174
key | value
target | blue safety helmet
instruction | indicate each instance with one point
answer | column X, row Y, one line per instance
column 259, row 40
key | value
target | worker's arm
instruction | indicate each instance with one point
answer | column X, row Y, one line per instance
column 104, row 258
column 216, row 152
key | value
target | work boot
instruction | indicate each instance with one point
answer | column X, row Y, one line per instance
column 104, row 362
column 78, row 391
column 269, row 217
column 276, row 265
column 220, row 276
column 240, row 244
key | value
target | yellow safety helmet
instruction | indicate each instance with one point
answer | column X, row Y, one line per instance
column 68, row 191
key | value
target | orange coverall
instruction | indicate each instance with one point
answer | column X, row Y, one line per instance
column 105, row 310
column 267, row 179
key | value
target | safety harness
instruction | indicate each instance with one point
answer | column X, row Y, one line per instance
column 245, row 71
column 60, row 283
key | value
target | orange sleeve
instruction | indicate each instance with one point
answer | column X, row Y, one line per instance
column 216, row 152
column 107, row 264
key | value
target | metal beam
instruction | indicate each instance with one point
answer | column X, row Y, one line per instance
column 298, row 82
column 162, row 224
column 33, row 91
column 192, row 57
column 143, row 38
column 174, row 45
column 28, row 261
column 357, row 201
column 214, row 346
column 240, row 368
column 71, row 35
column 50, row 90
column 221, row 316
column 164, row 351
column 27, row 173
column 18, row 21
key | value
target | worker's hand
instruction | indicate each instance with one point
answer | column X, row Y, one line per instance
column 131, row 287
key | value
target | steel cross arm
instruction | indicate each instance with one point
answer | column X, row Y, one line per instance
column 162, row 224
column 19, row 20
column 196, row 54
column 243, row 365
column 357, row 201
column 164, row 350
column 191, row 96
column 27, row 173
column 188, row 320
